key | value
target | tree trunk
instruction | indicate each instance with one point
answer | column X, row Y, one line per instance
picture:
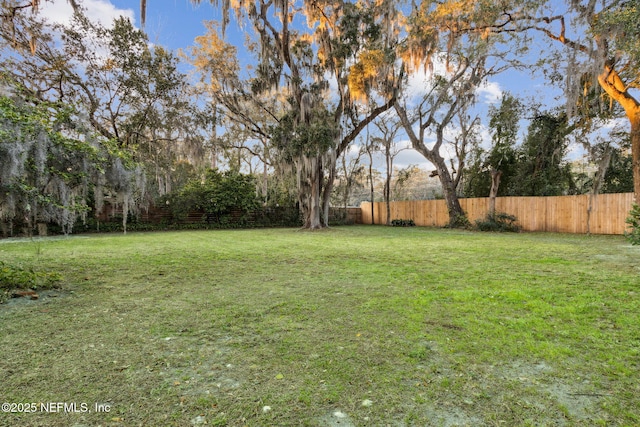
column 387, row 184
column 265, row 183
column 612, row 84
column 493, row 193
column 125, row 213
column 309, row 172
column 635, row 155
column 371, row 187
column 331, row 160
column 457, row 217
column 326, row 195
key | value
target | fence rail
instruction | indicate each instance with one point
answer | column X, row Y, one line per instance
column 601, row 214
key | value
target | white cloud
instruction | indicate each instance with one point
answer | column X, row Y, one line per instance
column 490, row 92
column 417, row 83
column 411, row 157
column 485, row 137
column 618, row 124
column 421, row 80
column 98, row 11
column 101, row 11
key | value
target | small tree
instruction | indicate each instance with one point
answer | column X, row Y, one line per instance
column 388, row 127
column 348, row 173
column 504, row 124
column 542, row 168
column 633, row 234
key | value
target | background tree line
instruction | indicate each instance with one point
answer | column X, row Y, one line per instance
column 326, row 80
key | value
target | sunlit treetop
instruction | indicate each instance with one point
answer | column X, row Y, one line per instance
column 305, row 41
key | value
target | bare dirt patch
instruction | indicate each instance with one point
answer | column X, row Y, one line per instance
column 20, row 297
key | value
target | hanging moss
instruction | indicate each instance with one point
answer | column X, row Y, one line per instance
column 48, row 165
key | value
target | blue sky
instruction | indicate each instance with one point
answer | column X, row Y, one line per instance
column 175, row 24
column 171, row 23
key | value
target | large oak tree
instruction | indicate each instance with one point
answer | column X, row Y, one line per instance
column 331, row 64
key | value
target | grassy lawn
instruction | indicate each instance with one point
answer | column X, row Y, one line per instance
column 355, row 326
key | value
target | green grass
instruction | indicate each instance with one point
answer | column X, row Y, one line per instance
column 355, row 326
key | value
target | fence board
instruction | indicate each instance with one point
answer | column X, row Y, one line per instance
column 601, row 214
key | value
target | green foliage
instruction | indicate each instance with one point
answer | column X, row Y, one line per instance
column 538, row 166
column 504, row 125
column 633, row 220
column 131, row 96
column 542, row 169
column 500, row 222
column 293, row 139
column 219, row 196
column 477, row 179
column 41, row 165
column 282, row 216
column 620, row 25
column 47, row 165
column 16, row 277
column 402, row 223
column 619, row 176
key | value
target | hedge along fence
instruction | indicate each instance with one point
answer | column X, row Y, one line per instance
column 155, row 217
column 601, row 214
column 158, row 217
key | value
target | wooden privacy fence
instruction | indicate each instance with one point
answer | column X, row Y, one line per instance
column 601, row 214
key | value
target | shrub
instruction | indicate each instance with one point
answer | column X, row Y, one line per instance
column 633, row 234
column 218, row 196
column 459, row 221
column 500, row 222
column 403, row 223
column 13, row 277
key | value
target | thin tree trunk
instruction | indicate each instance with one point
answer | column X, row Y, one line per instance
column 125, row 213
column 493, row 193
column 327, row 186
column 347, row 184
column 387, row 184
column 371, row 186
column 326, row 195
column 265, row 183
